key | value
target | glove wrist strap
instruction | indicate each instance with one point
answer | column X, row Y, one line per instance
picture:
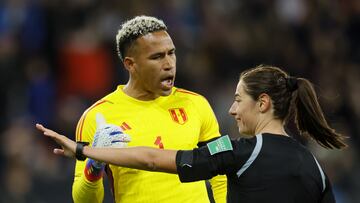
column 94, row 170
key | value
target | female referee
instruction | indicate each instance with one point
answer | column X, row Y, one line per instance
column 268, row 166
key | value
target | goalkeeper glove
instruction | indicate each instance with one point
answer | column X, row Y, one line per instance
column 106, row 135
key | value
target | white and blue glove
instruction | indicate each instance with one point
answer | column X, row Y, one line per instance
column 106, row 135
column 109, row 135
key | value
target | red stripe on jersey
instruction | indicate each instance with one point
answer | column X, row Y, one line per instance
column 173, row 115
column 126, row 126
column 122, row 128
column 186, row 92
column 78, row 128
column 183, row 114
column 85, row 114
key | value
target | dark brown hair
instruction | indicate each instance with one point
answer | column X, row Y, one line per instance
column 292, row 95
column 135, row 28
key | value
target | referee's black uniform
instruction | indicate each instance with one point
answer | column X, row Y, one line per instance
column 265, row 168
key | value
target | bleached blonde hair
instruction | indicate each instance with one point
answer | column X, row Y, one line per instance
column 135, row 28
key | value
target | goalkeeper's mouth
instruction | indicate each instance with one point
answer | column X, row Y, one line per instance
column 167, row 82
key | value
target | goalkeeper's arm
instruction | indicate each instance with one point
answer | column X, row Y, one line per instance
column 85, row 190
column 88, row 186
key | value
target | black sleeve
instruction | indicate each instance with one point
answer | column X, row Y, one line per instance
column 198, row 164
column 192, row 165
column 328, row 196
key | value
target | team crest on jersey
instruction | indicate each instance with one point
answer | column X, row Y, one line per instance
column 178, row 115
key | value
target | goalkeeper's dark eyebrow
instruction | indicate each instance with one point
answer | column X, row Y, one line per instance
column 162, row 54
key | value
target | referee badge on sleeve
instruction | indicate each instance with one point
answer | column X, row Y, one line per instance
column 221, row 144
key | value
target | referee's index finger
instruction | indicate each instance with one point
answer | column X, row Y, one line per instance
column 46, row 131
column 40, row 127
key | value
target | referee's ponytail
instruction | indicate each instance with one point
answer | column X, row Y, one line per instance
column 310, row 119
column 291, row 95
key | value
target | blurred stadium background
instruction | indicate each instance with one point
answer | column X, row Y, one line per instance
column 58, row 57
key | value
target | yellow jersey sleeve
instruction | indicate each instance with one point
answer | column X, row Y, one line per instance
column 209, row 125
column 210, row 130
column 83, row 190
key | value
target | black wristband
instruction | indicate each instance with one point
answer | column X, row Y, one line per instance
column 79, row 150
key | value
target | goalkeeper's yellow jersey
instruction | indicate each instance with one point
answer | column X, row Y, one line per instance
column 178, row 121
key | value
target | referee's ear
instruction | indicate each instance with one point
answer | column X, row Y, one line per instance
column 264, row 103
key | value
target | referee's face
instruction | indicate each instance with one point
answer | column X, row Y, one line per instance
column 154, row 65
column 244, row 111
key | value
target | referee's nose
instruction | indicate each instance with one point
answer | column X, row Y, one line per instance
column 232, row 110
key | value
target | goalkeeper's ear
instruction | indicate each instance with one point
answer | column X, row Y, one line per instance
column 100, row 120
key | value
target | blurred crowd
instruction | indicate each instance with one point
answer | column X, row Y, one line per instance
column 57, row 57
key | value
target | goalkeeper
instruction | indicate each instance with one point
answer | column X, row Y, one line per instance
column 154, row 113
